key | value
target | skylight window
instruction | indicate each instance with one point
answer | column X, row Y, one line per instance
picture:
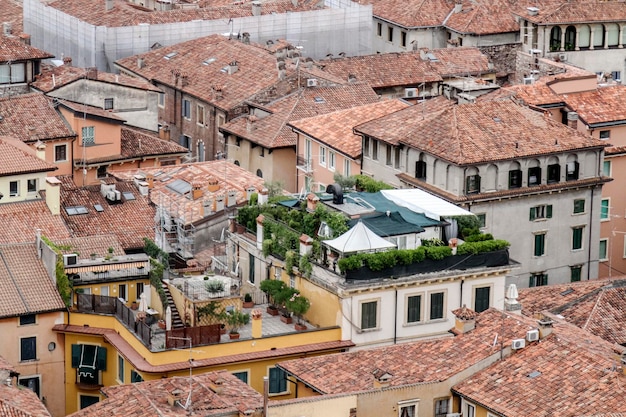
column 170, row 55
column 75, row 210
column 179, row 186
column 128, row 196
column 98, row 208
column 567, row 291
column 319, row 100
column 209, row 61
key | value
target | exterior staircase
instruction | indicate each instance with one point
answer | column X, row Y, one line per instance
column 177, row 321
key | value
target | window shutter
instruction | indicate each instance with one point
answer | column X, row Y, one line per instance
column 76, row 350
column 532, row 214
column 478, row 183
column 101, row 361
column 467, row 184
column 549, row 211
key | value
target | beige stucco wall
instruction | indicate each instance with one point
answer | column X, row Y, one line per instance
column 314, row 407
column 23, row 193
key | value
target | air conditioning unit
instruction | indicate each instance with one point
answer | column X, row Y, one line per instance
column 529, row 80
column 532, row 335
column 71, row 259
column 518, row 344
column 410, row 92
column 563, row 57
column 311, row 82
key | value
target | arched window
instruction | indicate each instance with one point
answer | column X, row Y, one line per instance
column 570, row 38
column 472, row 181
column 612, row 32
column 555, row 39
column 515, row 175
column 259, row 173
column 598, row 36
column 584, row 36
column 237, row 162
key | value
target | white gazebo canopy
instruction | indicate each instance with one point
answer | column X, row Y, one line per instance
column 420, row 201
column 359, row 239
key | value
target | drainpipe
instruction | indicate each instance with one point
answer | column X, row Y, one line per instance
column 589, row 243
column 266, row 393
column 461, row 295
column 395, row 319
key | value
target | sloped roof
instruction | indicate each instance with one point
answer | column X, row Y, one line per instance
column 572, row 11
column 359, row 239
column 421, row 201
column 484, row 17
column 12, row 11
column 21, row 220
column 18, row 158
column 13, row 49
column 21, row 402
column 32, row 117
column 412, row 13
column 25, row 285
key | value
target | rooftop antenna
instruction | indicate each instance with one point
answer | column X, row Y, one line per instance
column 187, row 403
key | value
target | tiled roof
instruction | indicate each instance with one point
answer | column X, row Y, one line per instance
column 16, row 158
column 335, row 129
column 5, row 365
column 572, row 11
column 483, row 17
column 272, row 131
column 21, row 402
column 568, row 373
column 125, row 13
column 32, row 117
column 130, row 221
column 412, row 13
column 87, row 245
column 595, row 305
column 459, row 61
column 25, row 285
column 84, row 110
column 468, row 134
column 12, row 12
column 256, row 69
column 138, row 143
column 56, row 77
column 409, row 363
column 601, row 105
column 21, row 220
column 228, row 175
column 13, row 49
column 218, row 393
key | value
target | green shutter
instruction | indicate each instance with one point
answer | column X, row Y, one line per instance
column 531, row 281
column 101, row 361
column 533, row 213
column 549, row 211
column 76, row 351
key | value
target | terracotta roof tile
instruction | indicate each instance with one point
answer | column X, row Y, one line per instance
column 601, row 105
column 125, row 13
column 272, row 131
column 18, row 158
column 484, row 17
column 32, row 117
column 216, row 393
column 82, row 110
column 13, row 49
column 476, row 133
column 21, row 220
column 256, row 69
column 25, row 285
column 20, row 402
column 335, row 129
column 568, row 373
column 130, row 221
column 12, row 12
column 412, row 13
column 574, row 11
column 409, row 363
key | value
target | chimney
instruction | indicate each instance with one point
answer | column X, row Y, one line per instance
column 25, row 37
column 196, row 190
column 219, row 203
column 231, row 198
column 257, row 323
column 263, row 196
column 92, row 73
column 53, row 195
column 511, row 304
column 311, row 202
column 465, row 319
column 41, row 150
column 382, row 378
column 213, row 185
column 250, row 122
column 164, row 132
column 67, row 61
column 532, row 11
column 572, row 119
column 140, row 63
column 174, row 396
column 233, row 67
column 259, row 231
column 545, row 325
column 458, row 6
column 249, row 191
column 207, row 208
column 108, row 5
column 246, row 38
column 150, row 180
column 7, row 28
column 256, row 8
column 306, row 245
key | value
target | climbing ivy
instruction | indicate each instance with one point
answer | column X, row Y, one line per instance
column 64, row 285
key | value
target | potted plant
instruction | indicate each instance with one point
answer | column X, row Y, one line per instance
column 235, row 320
column 271, row 287
column 298, row 305
column 247, row 301
column 214, row 287
column 92, row 256
column 281, row 300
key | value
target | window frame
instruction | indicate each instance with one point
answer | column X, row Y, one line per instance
column 605, row 209
column 28, row 378
column 554, row 173
column 26, row 349
column 376, row 324
column 515, row 178
column 438, row 411
column 577, row 238
column 538, row 279
column 185, row 109
column 472, row 184
column 120, row 368
column 379, row 29
column 88, row 136
column 388, row 155
column 27, row 320
column 161, row 100
column 403, row 38
column 421, row 170
column 389, row 33
column 607, row 168
column 575, row 173
column 397, row 157
column 603, row 242
column 431, row 307
column 322, row 160
column 475, row 297
column 331, row 160
column 374, row 150
column 14, row 188
column 540, row 212
column 11, row 74
column 577, row 208
column 604, row 135
column 407, row 404
column 366, row 146
column 420, row 312
column 108, row 103
column 200, row 115
column 245, row 372
column 32, row 185
column 536, row 173
column 539, row 244
column 285, row 391
column 482, row 220
column 347, row 170
column 57, row 149
column 576, row 273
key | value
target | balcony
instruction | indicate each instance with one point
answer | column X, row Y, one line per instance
column 304, row 164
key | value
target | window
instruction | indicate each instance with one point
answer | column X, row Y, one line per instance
column 390, row 34
column 407, row 408
column 243, row 375
column 28, row 349
column 28, row 319
column 538, row 280
column 471, row 410
column 482, row 219
column 396, row 159
column 579, row 206
column 604, row 209
column 534, row 176
column 540, row 244
column 420, row 170
column 104, row 291
column 101, row 172
column 185, row 141
column 122, row 291
column 161, row 100
column 577, row 237
column 278, row 381
column 87, row 400
column 403, row 39
column 12, row 73
column 413, row 309
column 554, row 173
column 379, row 29
column 88, row 136
column 366, row 146
column 200, row 115
column 603, row 249
column 251, row 270
column 515, row 178
column 60, row 153
column 120, row 368
column 606, row 168
column 374, row 150
column 186, row 109
column 14, row 188
column 605, row 134
column 575, row 273
column 31, row 185
column 140, row 287
column 322, row 156
column 32, row 383
column 571, row 171
column 135, row 377
column 616, row 75
column 472, row 184
column 436, row 305
column 369, row 315
column 108, row 104
column 442, row 407
column 259, row 173
column 541, row 212
column 481, row 299
column 331, row 160
column 389, row 155
column 346, row 167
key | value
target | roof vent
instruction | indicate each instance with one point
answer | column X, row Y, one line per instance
column 337, row 192
column 532, row 11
